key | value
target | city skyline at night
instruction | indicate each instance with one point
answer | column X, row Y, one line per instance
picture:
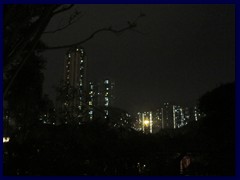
column 119, row 90
column 152, row 66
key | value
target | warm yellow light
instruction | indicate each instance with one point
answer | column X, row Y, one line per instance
column 6, row 139
column 146, row 122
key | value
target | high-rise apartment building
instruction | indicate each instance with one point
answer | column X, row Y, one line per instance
column 179, row 116
column 168, row 116
column 145, row 120
column 75, row 82
column 92, row 99
column 107, row 96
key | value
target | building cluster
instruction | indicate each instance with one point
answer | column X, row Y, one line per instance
column 83, row 99
column 169, row 116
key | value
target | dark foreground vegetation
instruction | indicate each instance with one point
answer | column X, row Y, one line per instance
column 97, row 149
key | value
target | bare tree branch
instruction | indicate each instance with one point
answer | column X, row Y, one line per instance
column 32, row 39
column 131, row 25
column 109, row 29
column 63, row 9
column 71, row 21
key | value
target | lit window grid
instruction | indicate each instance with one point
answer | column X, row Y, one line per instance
column 146, row 116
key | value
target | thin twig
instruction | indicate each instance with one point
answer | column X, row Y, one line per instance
column 131, row 25
column 62, row 28
column 63, row 9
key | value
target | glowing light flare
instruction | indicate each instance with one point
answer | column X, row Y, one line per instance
column 6, row 139
column 146, row 122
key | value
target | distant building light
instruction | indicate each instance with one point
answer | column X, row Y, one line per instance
column 146, row 122
column 6, row 139
column 106, row 81
column 90, row 113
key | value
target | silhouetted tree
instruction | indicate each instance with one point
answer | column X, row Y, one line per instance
column 218, row 128
column 24, row 26
column 25, row 96
column 220, row 101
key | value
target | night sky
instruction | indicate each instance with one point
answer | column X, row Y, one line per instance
column 182, row 51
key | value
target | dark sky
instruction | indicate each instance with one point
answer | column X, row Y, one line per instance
column 185, row 51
